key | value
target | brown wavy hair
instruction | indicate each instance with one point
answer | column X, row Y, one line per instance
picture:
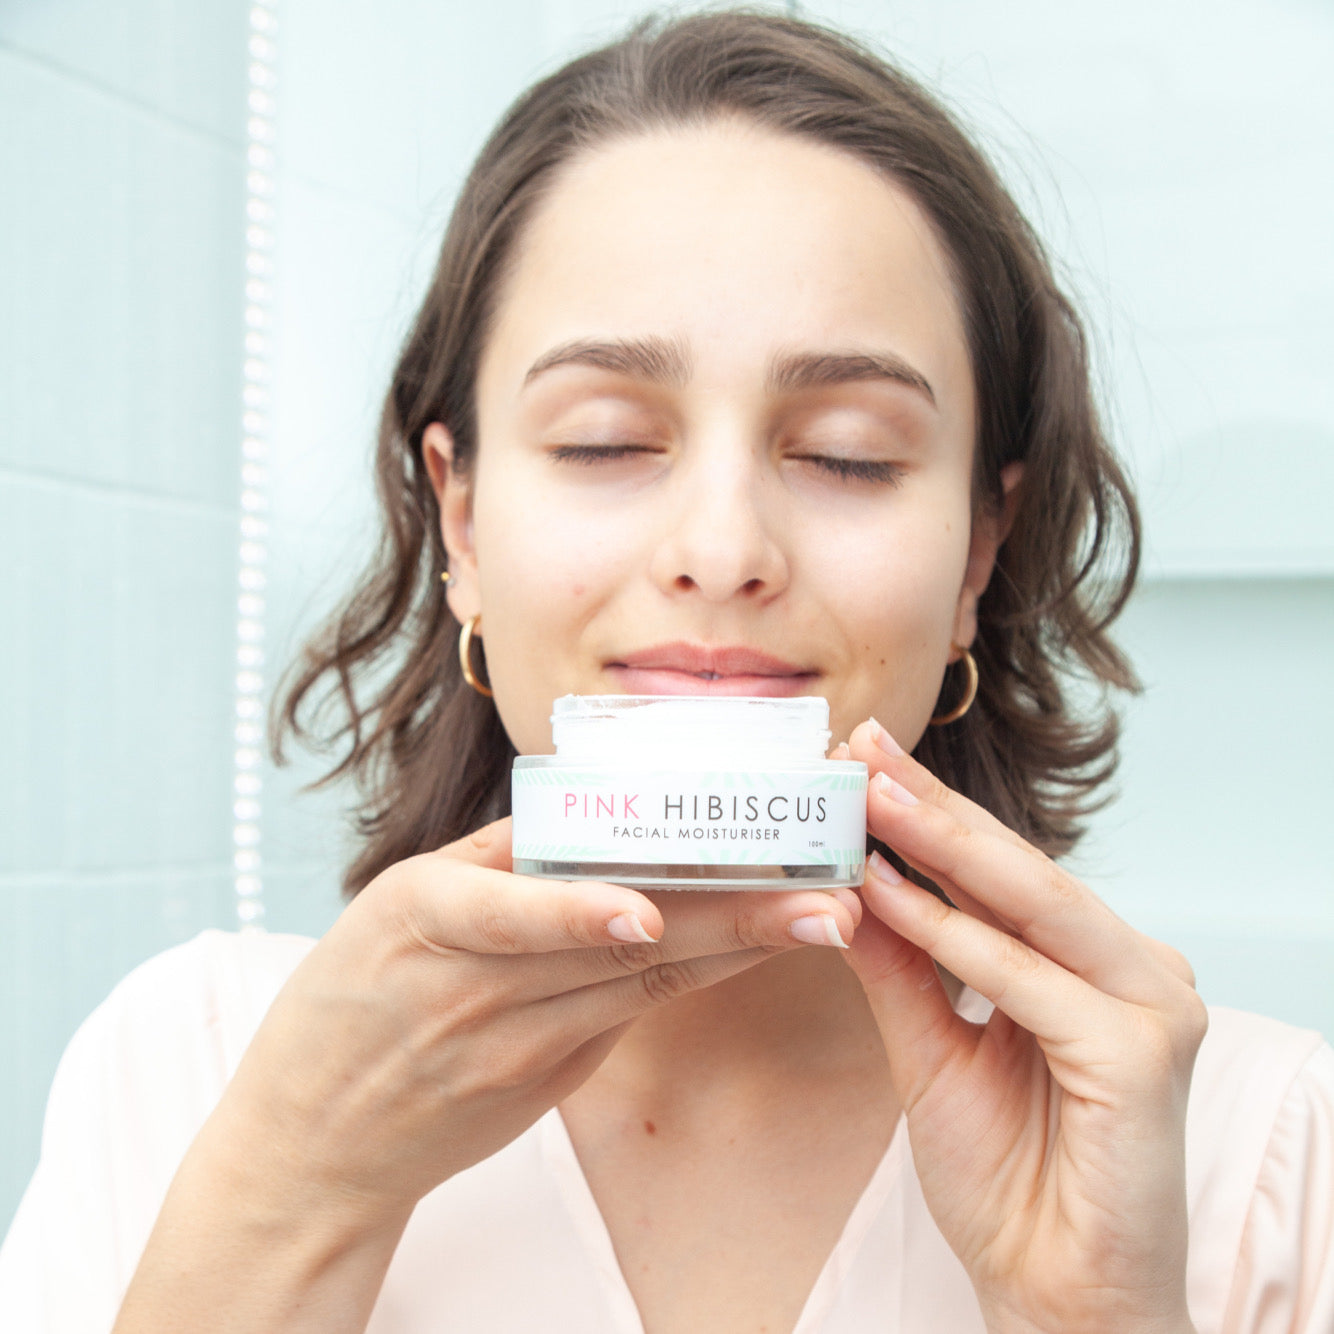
column 430, row 756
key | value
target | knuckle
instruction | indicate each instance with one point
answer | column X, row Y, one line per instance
column 1016, row 959
column 891, row 964
column 495, row 925
column 1178, row 964
column 937, row 792
column 741, row 932
column 956, row 847
column 1059, row 888
column 573, row 925
column 633, row 958
column 1193, row 1021
column 666, row 981
column 935, row 913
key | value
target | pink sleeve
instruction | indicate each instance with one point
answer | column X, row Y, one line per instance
column 1284, row 1277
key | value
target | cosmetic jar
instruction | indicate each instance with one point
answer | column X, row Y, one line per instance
column 691, row 792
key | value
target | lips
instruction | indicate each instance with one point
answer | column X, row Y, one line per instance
column 694, row 669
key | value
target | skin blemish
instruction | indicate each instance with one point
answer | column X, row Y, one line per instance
column 650, row 1128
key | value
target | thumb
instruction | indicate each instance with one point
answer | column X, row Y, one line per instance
column 490, row 846
column 921, row 1032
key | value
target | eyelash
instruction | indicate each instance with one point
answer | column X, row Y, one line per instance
column 587, row 454
column 857, row 470
column 851, row 470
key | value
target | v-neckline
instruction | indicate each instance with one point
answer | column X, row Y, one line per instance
column 591, row 1227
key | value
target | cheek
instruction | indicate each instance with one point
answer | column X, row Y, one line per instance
column 894, row 589
column 898, row 573
column 544, row 572
column 548, row 561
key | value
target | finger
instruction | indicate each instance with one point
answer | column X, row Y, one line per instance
column 491, row 845
column 575, row 1016
column 961, row 899
column 882, row 754
column 700, row 923
column 1043, row 903
column 449, row 905
column 874, row 746
column 878, row 749
column 1170, row 957
column 721, row 921
column 1038, row 994
column 921, row 1031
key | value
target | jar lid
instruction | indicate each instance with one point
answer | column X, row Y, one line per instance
column 741, row 730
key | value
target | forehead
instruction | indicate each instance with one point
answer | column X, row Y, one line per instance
column 735, row 240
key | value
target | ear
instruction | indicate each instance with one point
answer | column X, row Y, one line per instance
column 453, row 494
column 990, row 528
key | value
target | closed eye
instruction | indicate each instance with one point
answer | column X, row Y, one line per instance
column 856, row 470
column 591, row 454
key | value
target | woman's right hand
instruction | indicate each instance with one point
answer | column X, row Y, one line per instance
column 449, row 1007
column 454, row 1002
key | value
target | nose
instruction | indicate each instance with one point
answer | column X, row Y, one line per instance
column 721, row 535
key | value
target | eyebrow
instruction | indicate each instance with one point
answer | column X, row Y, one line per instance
column 658, row 360
column 666, row 361
column 812, row 370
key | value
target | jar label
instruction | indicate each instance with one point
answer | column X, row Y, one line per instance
column 793, row 817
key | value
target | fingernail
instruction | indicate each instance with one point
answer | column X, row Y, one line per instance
column 840, row 752
column 821, row 929
column 884, row 740
column 878, row 868
column 629, row 928
column 887, row 787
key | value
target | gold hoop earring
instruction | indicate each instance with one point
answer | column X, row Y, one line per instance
column 969, row 690
column 465, row 655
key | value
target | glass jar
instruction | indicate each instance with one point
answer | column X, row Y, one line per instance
column 691, row 792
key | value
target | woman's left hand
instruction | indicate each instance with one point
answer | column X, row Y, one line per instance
column 1049, row 1141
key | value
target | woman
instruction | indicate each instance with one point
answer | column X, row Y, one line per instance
column 740, row 374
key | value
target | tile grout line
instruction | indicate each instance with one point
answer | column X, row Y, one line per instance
column 99, row 86
column 115, row 491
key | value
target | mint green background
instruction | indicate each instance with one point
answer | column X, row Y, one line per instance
column 1178, row 155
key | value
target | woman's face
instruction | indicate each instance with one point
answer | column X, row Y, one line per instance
column 725, row 432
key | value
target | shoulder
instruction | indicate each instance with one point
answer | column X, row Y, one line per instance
column 154, row 1057
column 207, row 995
column 1259, row 1156
column 137, row 1080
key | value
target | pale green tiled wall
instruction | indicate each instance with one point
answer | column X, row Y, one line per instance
column 1219, row 842
column 120, row 267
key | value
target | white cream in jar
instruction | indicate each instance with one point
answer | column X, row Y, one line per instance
column 691, row 792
